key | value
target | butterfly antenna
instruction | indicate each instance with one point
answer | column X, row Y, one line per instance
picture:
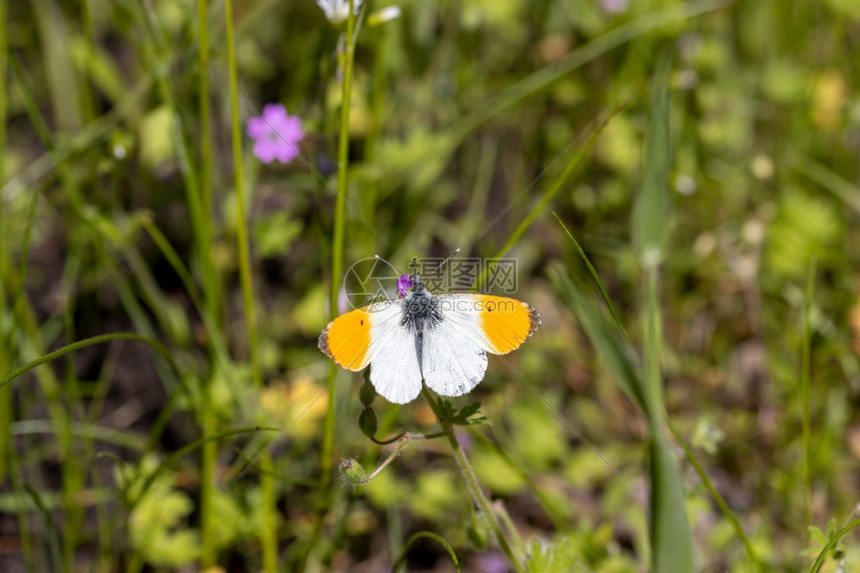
column 442, row 264
column 414, row 264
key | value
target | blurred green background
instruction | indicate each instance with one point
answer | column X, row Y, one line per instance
column 462, row 115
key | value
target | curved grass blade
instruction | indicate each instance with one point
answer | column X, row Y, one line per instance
column 614, row 350
column 154, row 344
column 429, row 535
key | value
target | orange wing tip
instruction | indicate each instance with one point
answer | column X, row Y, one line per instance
column 507, row 327
column 346, row 339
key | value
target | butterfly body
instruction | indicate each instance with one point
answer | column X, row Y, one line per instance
column 440, row 339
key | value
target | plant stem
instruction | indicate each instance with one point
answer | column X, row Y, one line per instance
column 804, row 396
column 472, row 481
column 327, row 458
column 267, row 485
column 7, row 350
column 208, row 424
column 402, row 442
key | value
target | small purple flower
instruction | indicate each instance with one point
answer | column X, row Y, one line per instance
column 464, row 440
column 404, row 283
column 276, row 135
column 493, row 563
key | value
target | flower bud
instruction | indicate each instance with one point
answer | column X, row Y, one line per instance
column 367, row 422
column 352, row 471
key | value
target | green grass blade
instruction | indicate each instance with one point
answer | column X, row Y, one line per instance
column 543, row 78
column 427, row 535
column 828, row 179
column 595, row 277
column 671, row 539
column 652, row 212
column 577, row 58
column 154, row 344
column 548, row 195
column 6, row 449
column 721, row 503
column 612, row 348
column 50, row 530
column 670, row 533
column 805, row 375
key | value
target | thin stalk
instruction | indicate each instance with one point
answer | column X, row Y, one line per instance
column 472, row 482
column 721, row 503
column 9, row 463
column 7, row 348
column 653, row 351
column 558, row 519
column 74, row 478
column 827, row 550
column 327, row 456
column 209, row 452
column 6, row 450
column 403, row 441
column 203, row 103
column 267, row 484
column 804, row 395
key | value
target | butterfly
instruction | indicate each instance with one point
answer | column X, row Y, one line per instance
column 440, row 339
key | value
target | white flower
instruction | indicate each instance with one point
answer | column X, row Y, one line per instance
column 383, row 16
column 337, row 10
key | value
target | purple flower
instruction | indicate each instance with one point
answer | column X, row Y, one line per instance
column 493, row 563
column 404, row 283
column 276, row 135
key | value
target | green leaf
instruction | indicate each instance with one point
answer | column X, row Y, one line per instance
column 555, row 558
column 462, row 418
column 469, row 409
column 816, row 535
column 671, row 539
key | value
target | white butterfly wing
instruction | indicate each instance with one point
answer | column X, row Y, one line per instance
column 394, row 370
column 453, row 357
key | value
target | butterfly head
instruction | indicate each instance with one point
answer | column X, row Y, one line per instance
column 410, row 285
column 416, row 290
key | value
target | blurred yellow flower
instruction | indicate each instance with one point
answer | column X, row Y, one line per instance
column 828, row 100
column 300, row 402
